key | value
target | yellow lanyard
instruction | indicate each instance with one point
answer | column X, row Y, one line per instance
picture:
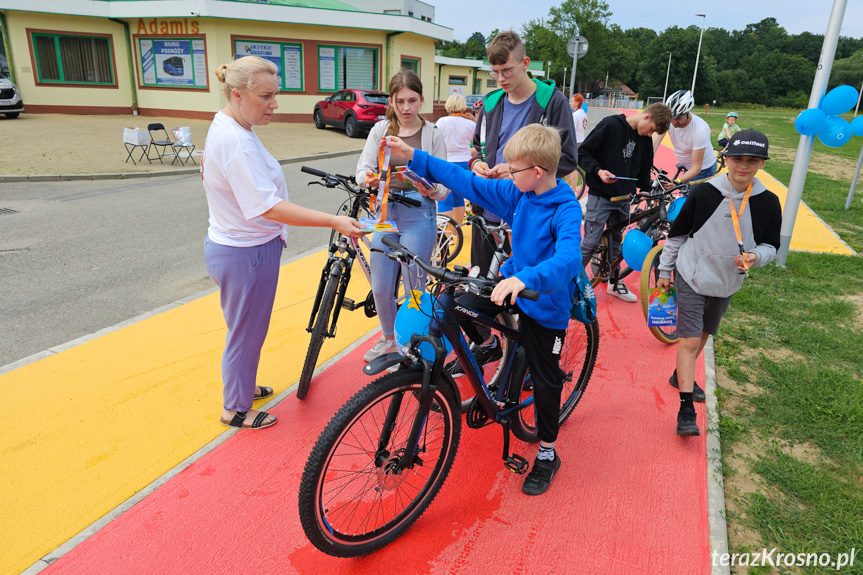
column 384, row 184
column 735, row 217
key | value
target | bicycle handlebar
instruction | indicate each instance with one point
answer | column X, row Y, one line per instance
column 345, row 181
column 448, row 276
column 314, row 172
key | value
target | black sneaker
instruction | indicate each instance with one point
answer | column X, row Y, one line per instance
column 697, row 392
column 539, row 479
column 686, row 423
column 481, row 354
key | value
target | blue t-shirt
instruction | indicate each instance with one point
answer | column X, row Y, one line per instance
column 513, row 119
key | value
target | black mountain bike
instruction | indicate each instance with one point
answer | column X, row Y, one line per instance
column 330, row 298
column 385, row 454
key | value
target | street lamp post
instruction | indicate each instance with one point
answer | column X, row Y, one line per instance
column 667, row 73
column 698, row 54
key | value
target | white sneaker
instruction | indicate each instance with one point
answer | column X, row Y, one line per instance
column 619, row 290
column 382, row 347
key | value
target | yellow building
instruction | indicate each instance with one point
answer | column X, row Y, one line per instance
column 468, row 76
column 159, row 57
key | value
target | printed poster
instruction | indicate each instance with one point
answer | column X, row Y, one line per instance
column 173, row 62
column 327, row 68
column 148, row 63
column 293, row 68
column 266, row 50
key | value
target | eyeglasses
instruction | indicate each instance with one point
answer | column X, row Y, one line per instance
column 505, row 73
column 514, row 172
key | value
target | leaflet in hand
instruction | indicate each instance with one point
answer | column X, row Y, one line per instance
column 662, row 307
column 372, row 225
column 411, row 178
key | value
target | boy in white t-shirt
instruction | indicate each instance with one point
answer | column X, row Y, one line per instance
column 690, row 136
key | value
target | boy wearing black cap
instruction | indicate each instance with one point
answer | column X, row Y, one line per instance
column 726, row 226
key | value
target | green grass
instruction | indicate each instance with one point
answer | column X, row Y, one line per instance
column 795, row 333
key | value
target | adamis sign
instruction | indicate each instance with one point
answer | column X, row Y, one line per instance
column 163, row 27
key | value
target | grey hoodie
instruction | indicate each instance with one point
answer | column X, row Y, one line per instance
column 702, row 244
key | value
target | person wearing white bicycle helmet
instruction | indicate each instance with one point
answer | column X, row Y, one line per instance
column 690, row 136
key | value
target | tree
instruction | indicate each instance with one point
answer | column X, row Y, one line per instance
column 847, row 71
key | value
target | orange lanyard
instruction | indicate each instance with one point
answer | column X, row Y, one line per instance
column 735, row 217
column 384, row 184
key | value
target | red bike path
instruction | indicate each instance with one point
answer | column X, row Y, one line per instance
column 630, row 498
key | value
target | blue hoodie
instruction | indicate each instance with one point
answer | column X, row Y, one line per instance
column 546, row 234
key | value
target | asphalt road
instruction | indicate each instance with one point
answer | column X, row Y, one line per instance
column 85, row 255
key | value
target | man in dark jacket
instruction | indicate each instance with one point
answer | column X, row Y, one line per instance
column 520, row 101
column 619, row 147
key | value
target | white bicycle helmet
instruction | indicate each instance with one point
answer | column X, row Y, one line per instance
column 680, row 103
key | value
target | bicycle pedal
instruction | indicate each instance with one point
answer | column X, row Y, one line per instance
column 348, row 304
column 516, row 464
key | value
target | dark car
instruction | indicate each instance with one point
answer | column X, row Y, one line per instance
column 355, row 111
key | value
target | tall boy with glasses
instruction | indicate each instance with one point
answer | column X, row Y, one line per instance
column 520, row 101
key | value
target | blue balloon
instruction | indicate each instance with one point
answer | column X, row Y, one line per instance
column 839, row 100
column 584, row 107
column 857, row 126
column 809, row 122
column 413, row 318
column 636, row 245
column 835, row 133
column 674, row 208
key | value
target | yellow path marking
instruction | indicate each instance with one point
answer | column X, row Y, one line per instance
column 118, row 412
column 811, row 234
column 115, row 413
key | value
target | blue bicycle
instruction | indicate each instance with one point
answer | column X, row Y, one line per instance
column 383, row 457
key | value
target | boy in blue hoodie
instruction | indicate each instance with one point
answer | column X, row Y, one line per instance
column 545, row 219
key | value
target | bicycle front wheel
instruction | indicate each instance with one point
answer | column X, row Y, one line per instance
column 353, row 500
column 577, row 360
column 649, row 275
column 320, row 329
column 448, row 242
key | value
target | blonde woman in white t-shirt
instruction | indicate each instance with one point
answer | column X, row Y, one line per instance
column 249, row 215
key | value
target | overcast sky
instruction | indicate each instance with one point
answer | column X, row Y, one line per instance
column 795, row 16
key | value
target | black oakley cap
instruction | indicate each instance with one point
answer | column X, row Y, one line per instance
column 748, row 143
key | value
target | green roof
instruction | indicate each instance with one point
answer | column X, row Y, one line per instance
column 324, row 4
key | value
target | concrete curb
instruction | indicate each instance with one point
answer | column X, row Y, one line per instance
column 715, row 481
column 133, row 175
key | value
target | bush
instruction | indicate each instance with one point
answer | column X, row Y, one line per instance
column 797, row 100
column 743, row 106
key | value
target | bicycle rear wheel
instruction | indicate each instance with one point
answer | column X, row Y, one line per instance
column 352, row 501
column 319, row 330
column 577, row 360
column 598, row 268
column 649, row 275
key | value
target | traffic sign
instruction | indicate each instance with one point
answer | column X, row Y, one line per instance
column 581, row 42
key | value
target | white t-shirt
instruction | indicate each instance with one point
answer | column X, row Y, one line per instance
column 458, row 133
column 242, row 181
column 579, row 118
column 695, row 136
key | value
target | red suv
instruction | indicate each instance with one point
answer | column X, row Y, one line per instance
column 354, row 110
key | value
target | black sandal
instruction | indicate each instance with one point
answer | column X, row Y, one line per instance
column 239, row 420
column 265, row 392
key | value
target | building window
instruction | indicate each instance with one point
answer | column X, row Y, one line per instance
column 491, row 83
column 396, row 12
column 287, row 57
column 73, row 59
column 341, row 67
column 411, row 64
column 172, row 62
column 458, row 80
